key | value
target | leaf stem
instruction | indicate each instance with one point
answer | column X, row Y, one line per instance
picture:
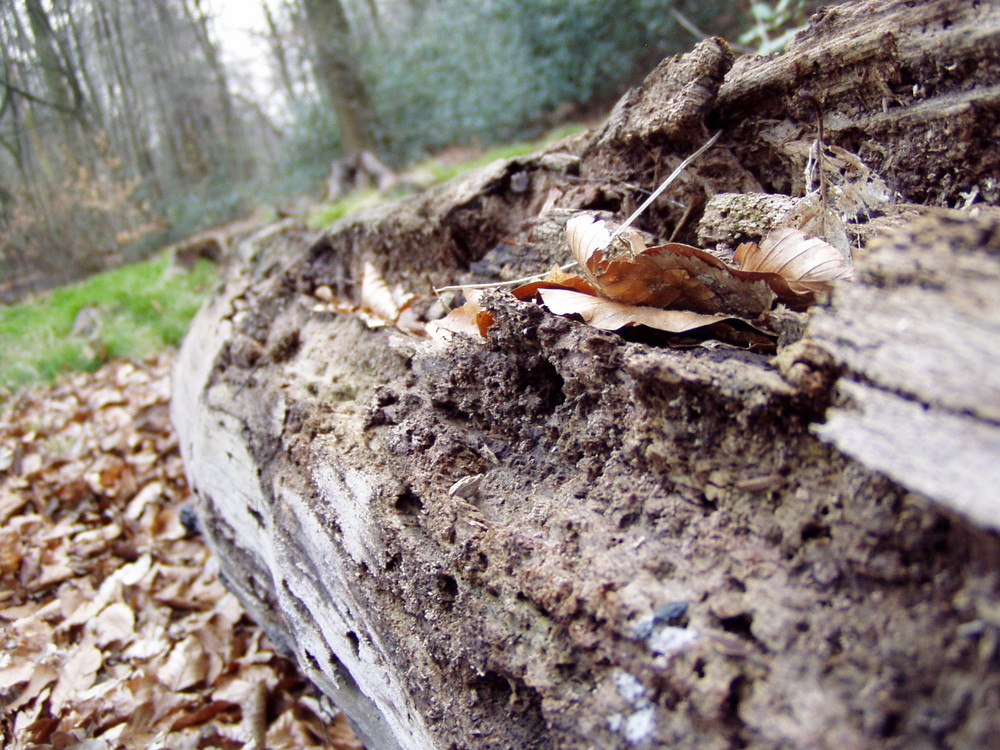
column 653, row 196
column 499, row 284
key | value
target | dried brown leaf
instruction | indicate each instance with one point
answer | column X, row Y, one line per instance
column 76, row 675
column 587, row 236
column 186, row 665
column 15, row 674
column 471, row 319
column 788, row 266
column 201, row 715
column 41, row 677
column 115, row 623
column 673, row 276
column 380, row 305
column 612, row 316
column 377, row 299
column 10, row 551
column 670, row 276
column 807, row 263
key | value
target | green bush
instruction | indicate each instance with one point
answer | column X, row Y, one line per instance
column 488, row 72
column 308, row 149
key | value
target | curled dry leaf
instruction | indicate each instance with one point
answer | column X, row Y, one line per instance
column 380, row 305
column 471, row 318
column 637, row 278
column 806, row 263
column 587, row 236
column 788, row 266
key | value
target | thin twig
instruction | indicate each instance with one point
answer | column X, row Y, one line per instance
column 685, row 23
column 653, row 196
column 665, row 184
column 689, row 209
column 820, row 157
column 626, row 185
column 499, row 284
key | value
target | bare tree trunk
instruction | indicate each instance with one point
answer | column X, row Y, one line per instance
column 338, row 76
column 128, row 114
column 61, row 81
column 279, row 55
column 235, row 140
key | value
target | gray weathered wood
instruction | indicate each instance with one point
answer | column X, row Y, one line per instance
column 919, row 339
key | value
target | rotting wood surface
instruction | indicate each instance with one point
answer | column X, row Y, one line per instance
column 653, row 546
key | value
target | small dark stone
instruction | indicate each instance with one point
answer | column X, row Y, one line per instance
column 670, row 613
column 190, row 520
column 644, row 629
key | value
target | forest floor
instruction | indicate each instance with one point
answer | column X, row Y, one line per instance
column 116, row 629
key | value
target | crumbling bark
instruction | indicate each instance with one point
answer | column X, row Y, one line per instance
column 651, row 546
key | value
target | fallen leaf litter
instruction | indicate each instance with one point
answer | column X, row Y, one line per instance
column 117, row 632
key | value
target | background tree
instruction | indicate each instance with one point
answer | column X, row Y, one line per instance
column 337, row 72
column 124, row 125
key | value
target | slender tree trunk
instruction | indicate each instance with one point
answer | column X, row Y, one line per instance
column 61, row 83
column 75, row 50
column 235, row 143
column 131, row 114
column 279, row 54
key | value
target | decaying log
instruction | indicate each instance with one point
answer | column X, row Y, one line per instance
column 563, row 537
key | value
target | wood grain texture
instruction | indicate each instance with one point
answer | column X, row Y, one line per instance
column 919, row 340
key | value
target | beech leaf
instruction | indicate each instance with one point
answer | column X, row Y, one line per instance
column 76, row 675
column 788, row 266
column 806, row 262
column 377, row 299
column 586, row 236
column 186, row 666
column 612, row 316
column 673, row 275
column 471, row 319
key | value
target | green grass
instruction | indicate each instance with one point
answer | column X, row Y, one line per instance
column 137, row 309
column 328, row 213
column 444, row 172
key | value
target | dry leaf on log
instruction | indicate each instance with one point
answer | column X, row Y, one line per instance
column 677, row 288
column 471, row 318
column 808, row 264
column 380, row 305
column 640, row 275
column 674, row 288
column 788, row 266
column 612, row 316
